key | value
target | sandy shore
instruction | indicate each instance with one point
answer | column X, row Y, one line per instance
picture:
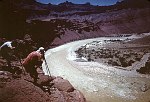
column 98, row 82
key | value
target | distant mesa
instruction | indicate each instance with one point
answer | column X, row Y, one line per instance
column 66, row 3
column 87, row 4
column 70, row 3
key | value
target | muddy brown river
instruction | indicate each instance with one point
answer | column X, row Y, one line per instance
column 98, row 82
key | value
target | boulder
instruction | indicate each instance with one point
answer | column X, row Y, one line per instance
column 4, row 76
column 22, row 91
column 61, row 96
column 44, row 80
column 75, row 96
column 63, row 85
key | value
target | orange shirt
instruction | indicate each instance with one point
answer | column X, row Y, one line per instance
column 32, row 59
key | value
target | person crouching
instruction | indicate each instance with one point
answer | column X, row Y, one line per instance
column 6, row 52
column 33, row 61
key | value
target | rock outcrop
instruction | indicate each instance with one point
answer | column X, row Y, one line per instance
column 20, row 88
column 66, row 22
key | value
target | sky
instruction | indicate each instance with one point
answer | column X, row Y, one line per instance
column 93, row 2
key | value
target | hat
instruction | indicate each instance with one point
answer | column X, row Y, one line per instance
column 41, row 49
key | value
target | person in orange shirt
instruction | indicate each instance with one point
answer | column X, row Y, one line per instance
column 33, row 61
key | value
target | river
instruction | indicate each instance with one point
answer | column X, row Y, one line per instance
column 98, row 82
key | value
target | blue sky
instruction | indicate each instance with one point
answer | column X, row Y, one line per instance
column 93, row 2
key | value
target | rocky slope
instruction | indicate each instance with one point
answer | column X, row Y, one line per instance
column 20, row 87
column 124, row 21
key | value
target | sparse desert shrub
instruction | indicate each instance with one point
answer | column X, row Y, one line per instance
column 145, row 69
column 113, row 63
column 124, row 64
column 110, row 56
column 137, row 59
column 121, row 59
column 130, row 62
